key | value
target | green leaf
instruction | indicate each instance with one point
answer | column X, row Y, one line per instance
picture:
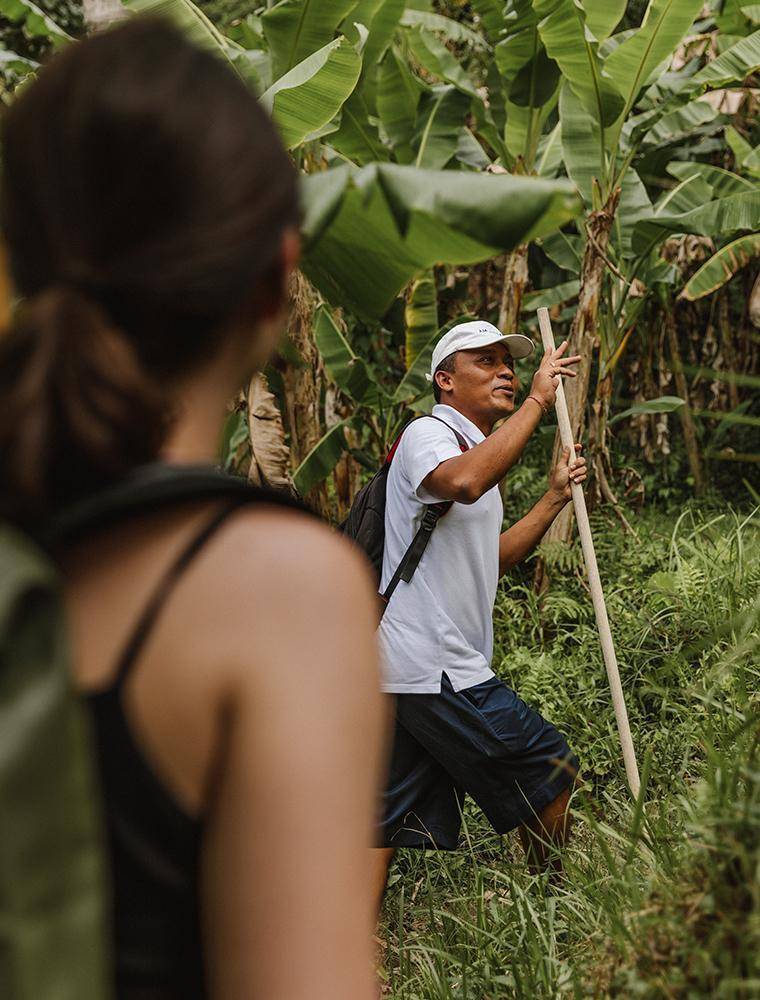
column 679, row 124
column 567, row 40
column 690, row 193
column 733, row 65
column 368, row 232
column 398, row 97
column 581, row 143
column 565, row 250
column 725, row 215
column 722, row 266
column 721, row 182
column 414, row 384
column 440, row 117
column 491, row 15
column 381, row 30
column 536, row 82
column 739, row 145
column 433, row 55
column 357, row 137
column 549, row 297
column 453, row 30
column 632, row 64
column 350, row 373
column 634, row 206
column 664, row 404
column 295, row 29
column 603, row 16
column 550, row 153
column 321, row 460
column 313, row 92
column 752, row 162
column 36, row 21
column 420, row 315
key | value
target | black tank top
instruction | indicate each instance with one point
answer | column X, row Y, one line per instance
column 153, row 844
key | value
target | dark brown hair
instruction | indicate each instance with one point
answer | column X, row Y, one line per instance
column 144, row 197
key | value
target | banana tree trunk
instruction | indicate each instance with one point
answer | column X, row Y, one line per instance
column 582, row 341
column 515, row 280
column 684, row 412
column 303, row 385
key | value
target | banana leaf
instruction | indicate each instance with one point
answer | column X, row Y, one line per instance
column 295, row 29
column 453, row 31
column 725, row 215
column 357, row 137
column 313, row 92
column 549, row 297
column 733, row 65
column 664, row 404
column 321, row 460
column 420, row 315
column 563, row 31
column 565, row 250
column 368, row 232
column 491, row 16
column 433, row 56
column 414, row 384
column 722, row 266
column 581, row 143
column 632, row 63
column 603, row 16
column 689, row 193
column 633, row 207
column 381, row 29
column 35, row 20
column 440, row 117
column 350, row 373
column 721, row 182
column 397, row 97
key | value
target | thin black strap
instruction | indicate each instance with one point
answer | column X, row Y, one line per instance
column 166, row 584
column 411, row 558
column 430, row 517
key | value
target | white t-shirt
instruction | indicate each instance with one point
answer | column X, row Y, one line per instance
column 441, row 621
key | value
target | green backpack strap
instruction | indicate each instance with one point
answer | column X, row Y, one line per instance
column 53, row 924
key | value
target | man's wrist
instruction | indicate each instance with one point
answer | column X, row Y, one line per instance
column 556, row 498
column 544, row 408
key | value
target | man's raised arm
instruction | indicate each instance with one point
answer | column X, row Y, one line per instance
column 468, row 476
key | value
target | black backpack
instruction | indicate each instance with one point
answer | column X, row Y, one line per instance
column 365, row 523
column 53, row 874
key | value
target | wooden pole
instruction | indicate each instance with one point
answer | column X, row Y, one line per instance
column 597, row 595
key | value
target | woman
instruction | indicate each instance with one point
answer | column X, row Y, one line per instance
column 150, row 217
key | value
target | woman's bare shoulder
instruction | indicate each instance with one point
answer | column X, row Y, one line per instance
column 277, row 574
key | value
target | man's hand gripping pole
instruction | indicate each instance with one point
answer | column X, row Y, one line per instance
column 595, row 584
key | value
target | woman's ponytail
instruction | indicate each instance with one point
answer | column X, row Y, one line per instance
column 77, row 410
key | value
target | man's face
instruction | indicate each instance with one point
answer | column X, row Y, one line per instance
column 483, row 381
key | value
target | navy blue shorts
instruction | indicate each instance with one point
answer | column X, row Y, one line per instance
column 483, row 741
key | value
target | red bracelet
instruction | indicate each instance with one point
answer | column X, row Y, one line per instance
column 535, row 399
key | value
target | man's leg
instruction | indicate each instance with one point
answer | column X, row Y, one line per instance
column 381, row 862
column 546, row 833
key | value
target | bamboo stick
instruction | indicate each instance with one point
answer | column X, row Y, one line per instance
column 595, row 583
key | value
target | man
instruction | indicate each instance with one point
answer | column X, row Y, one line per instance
column 458, row 728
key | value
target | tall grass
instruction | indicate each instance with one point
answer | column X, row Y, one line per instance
column 660, row 898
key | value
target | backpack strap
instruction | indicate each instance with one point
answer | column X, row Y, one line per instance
column 151, row 487
column 430, row 517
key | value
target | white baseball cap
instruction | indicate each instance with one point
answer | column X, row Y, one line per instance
column 477, row 333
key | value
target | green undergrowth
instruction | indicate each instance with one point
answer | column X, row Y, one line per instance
column 659, row 901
